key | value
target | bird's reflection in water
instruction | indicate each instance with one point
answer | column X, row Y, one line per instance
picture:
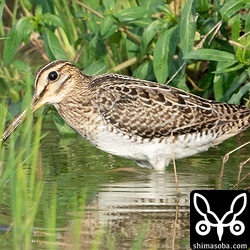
column 148, row 206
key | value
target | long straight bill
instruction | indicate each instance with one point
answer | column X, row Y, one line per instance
column 20, row 119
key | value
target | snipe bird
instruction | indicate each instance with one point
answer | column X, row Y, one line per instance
column 133, row 118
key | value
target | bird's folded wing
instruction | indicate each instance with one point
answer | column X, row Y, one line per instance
column 150, row 110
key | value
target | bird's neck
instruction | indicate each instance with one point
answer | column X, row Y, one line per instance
column 80, row 113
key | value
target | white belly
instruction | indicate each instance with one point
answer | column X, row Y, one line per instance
column 155, row 153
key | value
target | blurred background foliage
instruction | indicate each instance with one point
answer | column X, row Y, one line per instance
column 201, row 46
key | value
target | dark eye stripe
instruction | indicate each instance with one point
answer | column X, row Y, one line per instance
column 43, row 92
column 62, row 84
column 49, row 66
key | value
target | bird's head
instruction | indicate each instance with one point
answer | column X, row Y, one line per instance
column 52, row 84
column 54, row 81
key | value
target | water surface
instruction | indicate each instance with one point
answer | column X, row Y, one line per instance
column 115, row 203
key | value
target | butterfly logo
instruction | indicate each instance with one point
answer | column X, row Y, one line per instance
column 210, row 219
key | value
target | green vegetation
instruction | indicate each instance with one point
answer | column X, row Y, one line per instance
column 146, row 39
column 202, row 47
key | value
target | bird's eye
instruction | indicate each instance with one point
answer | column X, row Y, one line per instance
column 53, row 75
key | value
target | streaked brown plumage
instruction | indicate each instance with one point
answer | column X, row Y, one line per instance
column 133, row 118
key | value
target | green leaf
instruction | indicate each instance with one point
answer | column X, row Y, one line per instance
column 230, row 8
column 56, row 21
column 149, row 34
column 239, row 80
column 145, row 71
column 96, row 47
column 152, row 6
column 1, row 10
column 93, row 26
column 52, row 46
column 106, row 25
column 243, row 53
column 235, row 23
column 180, row 82
column 111, row 32
column 235, row 99
column 210, row 55
column 230, row 69
column 22, row 66
column 19, row 32
column 221, row 84
column 109, row 4
column 94, row 4
column 163, row 54
column 130, row 14
column 47, row 5
column 141, row 23
column 98, row 67
column 38, row 11
column 202, row 6
column 187, row 27
column 247, row 22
